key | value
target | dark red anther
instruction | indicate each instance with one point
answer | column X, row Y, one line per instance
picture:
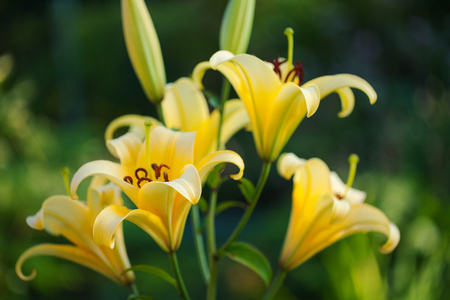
column 158, row 169
column 298, row 72
column 143, row 179
column 128, row 179
column 166, row 177
column 276, row 65
column 140, row 170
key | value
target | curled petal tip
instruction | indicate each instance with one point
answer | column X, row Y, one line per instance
column 26, row 277
column 220, row 57
column 393, row 239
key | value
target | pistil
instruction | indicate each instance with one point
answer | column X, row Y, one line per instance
column 353, row 160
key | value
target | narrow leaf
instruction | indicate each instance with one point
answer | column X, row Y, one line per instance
column 229, row 204
column 252, row 258
column 154, row 271
column 247, row 189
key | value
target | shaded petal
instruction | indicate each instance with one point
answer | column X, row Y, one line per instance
column 157, row 196
column 288, row 163
column 110, row 218
column 235, row 117
column 209, row 162
column 68, row 252
column 175, row 149
column 126, row 148
column 184, row 106
column 255, row 83
column 100, row 197
column 134, row 122
column 206, row 137
column 340, row 83
column 199, row 72
column 361, row 219
column 288, row 110
column 180, row 213
column 110, row 170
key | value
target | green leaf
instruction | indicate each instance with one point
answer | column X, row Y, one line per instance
column 214, row 178
column 252, row 258
column 229, row 204
column 247, row 189
column 154, row 271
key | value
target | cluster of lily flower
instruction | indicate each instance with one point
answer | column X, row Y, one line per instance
column 165, row 162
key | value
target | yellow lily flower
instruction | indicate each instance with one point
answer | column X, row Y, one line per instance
column 275, row 98
column 162, row 179
column 61, row 215
column 325, row 210
column 143, row 48
column 186, row 109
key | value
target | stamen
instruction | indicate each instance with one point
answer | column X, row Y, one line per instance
column 353, row 160
column 276, row 65
column 140, row 170
column 298, row 72
column 148, row 125
column 289, row 32
column 65, row 174
column 166, row 177
column 128, row 179
column 158, row 169
column 143, row 179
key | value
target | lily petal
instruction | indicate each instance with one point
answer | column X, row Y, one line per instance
column 157, row 196
column 235, row 117
column 361, row 218
column 288, row 163
column 209, row 162
column 134, row 122
column 289, row 108
column 110, row 218
column 178, row 149
column 110, row 170
column 335, row 83
column 353, row 196
column 68, row 252
column 184, row 106
column 199, row 72
column 126, row 148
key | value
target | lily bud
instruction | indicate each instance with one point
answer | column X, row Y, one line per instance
column 236, row 26
column 143, row 48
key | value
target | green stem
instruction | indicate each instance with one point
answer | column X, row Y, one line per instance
column 199, row 246
column 248, row 212
column 226, row 86
column 133, row 289
column 160, row 113
column 211, row 237
column 179, row 279
column 275, row 285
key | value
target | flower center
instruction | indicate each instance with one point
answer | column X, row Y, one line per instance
column 293, row 73
column 142, row 176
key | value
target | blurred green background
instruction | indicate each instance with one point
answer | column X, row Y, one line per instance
column 70, row 76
